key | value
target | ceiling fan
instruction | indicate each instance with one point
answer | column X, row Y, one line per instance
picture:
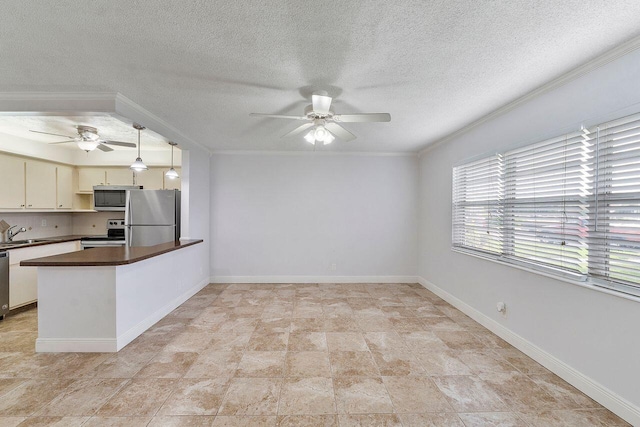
column 322, row 122
column 88, row 139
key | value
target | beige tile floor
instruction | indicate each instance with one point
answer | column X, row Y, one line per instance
column 292, row 355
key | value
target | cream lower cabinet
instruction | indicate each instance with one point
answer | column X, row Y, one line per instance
column 23, row 281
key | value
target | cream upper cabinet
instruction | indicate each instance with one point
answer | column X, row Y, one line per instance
column 172, row 184
column 88, row 177
column 150, row 179
column 119, row 176
column 64, row 184
column 40, row 185
column 12, row 188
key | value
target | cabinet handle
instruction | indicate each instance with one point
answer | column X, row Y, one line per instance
column 30, row 205
column 60, row 206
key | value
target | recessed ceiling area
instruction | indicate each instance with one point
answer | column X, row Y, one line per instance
column 204, row 66
column 109, row 128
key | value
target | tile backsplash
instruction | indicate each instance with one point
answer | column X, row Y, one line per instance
column 40, row 225
column 52, row 224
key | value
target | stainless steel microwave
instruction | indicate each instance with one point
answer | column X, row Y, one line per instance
column 112, row 197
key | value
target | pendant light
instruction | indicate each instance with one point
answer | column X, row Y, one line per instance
column 171, row 173
column 138, row 166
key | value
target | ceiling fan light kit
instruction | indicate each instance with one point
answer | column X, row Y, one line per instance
column 88, row 139
column 323, row 123
column 138, row 165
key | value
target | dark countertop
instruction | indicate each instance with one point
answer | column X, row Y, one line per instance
column 108, row 256
column 39, row 241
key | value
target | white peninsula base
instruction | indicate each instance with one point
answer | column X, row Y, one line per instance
column 103, row 308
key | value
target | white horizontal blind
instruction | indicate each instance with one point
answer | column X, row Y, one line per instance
column 546, row 214
column 477, row 205
column 615, row 242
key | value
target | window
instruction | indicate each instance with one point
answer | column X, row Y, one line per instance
column 546, row 202
column 477, row 205
column 615, row 242
column 568, row 205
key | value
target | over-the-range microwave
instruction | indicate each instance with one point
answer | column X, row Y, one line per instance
column 112, row 197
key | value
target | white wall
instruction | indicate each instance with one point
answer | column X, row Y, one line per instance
column 291, row 216
column 593, row 332
column 196, row 189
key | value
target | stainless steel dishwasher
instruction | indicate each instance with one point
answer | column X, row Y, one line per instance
column 4, row 284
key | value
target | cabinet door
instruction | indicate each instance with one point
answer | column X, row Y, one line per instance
column 64, row 189
column 150, row 179
column 119, row 176
column 40, row 185
column 88, row 177
column 12, row 188
column 172, row 184
column 23, row 282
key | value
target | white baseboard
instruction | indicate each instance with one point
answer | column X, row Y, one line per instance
column 593, row 389
column 313, row 279
column 158, row 315
column 76, row 345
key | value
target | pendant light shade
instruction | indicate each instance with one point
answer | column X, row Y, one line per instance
column 171, row 173
column 138, row 165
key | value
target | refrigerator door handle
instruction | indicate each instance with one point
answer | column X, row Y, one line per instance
column 127, row 213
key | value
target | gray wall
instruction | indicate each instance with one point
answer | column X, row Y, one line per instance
column 593, row 332
column 294, row 215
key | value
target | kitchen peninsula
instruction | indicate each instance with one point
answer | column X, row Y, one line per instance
column 101, row 299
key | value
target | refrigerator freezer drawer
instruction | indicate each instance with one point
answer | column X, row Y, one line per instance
column 150, row 235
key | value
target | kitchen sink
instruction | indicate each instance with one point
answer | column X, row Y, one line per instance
column 6, row 245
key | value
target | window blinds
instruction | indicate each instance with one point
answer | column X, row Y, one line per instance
column 477, row 205
column 571, row 204
column 546, row 202
column 615, row 241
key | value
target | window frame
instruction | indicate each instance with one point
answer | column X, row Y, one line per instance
column 592, row 198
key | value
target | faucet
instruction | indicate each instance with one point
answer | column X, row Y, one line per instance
column 11, row 234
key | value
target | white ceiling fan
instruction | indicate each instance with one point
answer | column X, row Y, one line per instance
column 323, row 122
column 88, row 139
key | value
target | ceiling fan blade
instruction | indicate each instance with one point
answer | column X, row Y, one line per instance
column 104, row 148
column 61, row 142
column 321, row 104
column 340, row 132
column 279, row 116
column 121, row 144
column 298, row 130
column 365, row 117
column 54, row 134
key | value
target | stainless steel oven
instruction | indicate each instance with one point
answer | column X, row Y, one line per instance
column 114, row 237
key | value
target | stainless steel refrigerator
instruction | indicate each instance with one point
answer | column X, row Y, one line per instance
column 152, row 217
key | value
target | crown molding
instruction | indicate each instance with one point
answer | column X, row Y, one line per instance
column 315, row 153
column 586, row 68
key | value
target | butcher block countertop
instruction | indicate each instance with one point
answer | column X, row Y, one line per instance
column 108, row 256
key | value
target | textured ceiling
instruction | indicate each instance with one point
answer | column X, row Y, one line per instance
column 203, row 66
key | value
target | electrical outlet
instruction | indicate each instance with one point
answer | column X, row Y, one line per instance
column 502, row 308
column 43, row 223
column 334, row 267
